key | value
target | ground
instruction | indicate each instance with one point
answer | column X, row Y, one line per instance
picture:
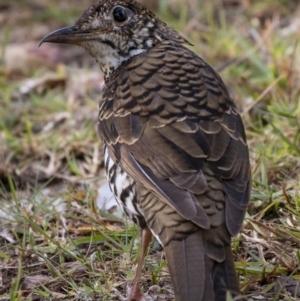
column 55, row 242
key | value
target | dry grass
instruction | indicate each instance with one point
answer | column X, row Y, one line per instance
column 54, row 242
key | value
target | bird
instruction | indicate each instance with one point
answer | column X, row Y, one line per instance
column 176, row 154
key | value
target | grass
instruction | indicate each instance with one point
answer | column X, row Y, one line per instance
column 54, row 242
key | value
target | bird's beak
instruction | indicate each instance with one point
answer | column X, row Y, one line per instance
column 67, row 35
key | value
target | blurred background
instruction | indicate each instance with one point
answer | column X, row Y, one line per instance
column 51, row 165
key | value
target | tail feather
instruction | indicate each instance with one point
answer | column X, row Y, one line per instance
column 209, row 294
column 224, row 277
column 195, row 275
column 186, row 265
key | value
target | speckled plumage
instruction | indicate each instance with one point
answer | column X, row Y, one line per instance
column 142, row 32
column 176, row 154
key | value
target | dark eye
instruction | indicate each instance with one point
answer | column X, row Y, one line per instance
column 120, row 14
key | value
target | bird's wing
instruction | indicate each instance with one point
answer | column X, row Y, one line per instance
column 165, row 116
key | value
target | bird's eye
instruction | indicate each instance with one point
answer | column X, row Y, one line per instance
column 120, row 14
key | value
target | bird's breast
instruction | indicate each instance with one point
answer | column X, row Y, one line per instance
column 123, row 188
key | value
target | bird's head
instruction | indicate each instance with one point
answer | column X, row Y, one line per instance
column 113, row 31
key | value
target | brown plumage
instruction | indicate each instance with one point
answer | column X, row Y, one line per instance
column 176, row 153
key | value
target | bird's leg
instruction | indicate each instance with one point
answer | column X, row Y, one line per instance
column 135, row 293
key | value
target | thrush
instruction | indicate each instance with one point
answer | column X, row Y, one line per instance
column 176, row 154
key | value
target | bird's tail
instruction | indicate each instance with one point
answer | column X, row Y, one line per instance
column 201, row 270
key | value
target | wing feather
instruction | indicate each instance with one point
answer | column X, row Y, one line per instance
column 172, row 125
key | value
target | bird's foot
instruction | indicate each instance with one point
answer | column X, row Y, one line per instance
column 134, row 292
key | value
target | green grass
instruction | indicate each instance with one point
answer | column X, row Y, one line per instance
column 54, row 242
